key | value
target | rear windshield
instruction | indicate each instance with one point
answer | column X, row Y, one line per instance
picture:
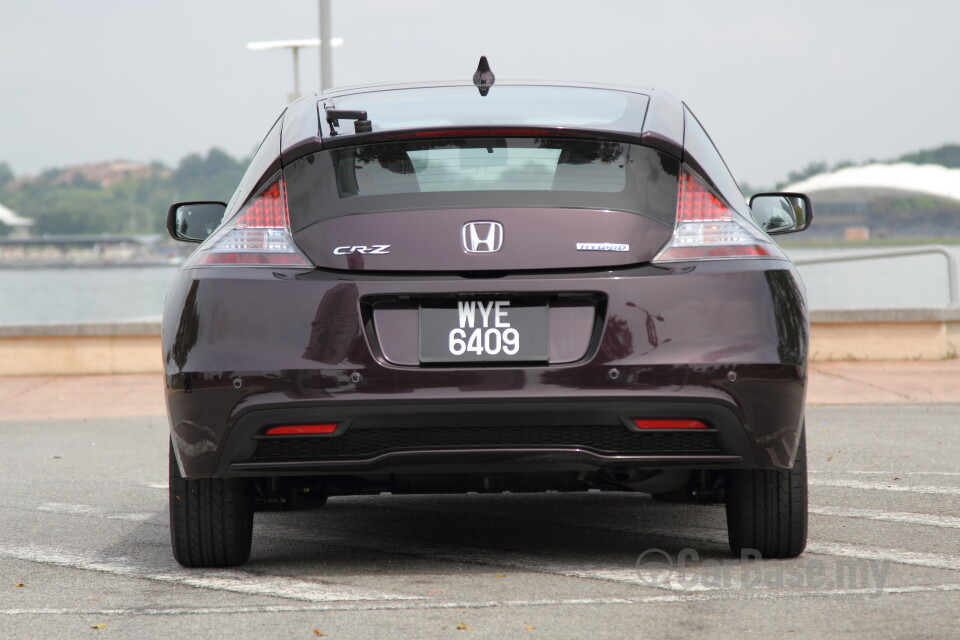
column 482, row 172
column 540, row 106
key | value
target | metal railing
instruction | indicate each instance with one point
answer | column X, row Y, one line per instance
column 899, row 253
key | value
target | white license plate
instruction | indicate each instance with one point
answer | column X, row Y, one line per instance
column 484, row 330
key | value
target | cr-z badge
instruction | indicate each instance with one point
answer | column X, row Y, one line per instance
column 379, row 249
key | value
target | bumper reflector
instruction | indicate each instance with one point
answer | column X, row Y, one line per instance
column 668, row 424
column 301, row 430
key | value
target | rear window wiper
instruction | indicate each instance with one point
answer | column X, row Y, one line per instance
column 361, row 124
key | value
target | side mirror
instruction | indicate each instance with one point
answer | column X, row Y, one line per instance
column 782, row 212
column 194, row 221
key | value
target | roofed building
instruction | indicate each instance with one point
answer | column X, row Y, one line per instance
column 11, row 219
column 885, row 200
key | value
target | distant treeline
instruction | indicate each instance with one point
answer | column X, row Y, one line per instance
column 116, row 197
column 133, row 198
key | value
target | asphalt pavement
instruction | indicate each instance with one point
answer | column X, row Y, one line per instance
column 84, row 549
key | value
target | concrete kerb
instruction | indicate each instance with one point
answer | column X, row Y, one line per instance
column 885, row 334
column 140, row 328
column 80, row 349
column 134, row 347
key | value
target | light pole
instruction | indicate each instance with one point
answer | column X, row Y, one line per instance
column 326, row 56
column 295, row 46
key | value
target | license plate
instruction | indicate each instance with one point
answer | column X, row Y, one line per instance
column 484, row 331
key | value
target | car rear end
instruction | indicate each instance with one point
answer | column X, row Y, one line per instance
column 484, row 308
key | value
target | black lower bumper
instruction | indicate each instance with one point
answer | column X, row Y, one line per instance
column 529, row 437
column 448, row 461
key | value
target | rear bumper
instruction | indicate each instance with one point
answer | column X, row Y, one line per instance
column 528, row 437
column 753, row 423
column 722, row 341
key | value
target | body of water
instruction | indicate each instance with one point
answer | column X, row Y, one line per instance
column 87, row 294
column 110, row 294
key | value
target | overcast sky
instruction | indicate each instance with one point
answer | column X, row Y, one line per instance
column 777, row 84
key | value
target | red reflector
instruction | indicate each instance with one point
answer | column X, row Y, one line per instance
column 301, row 429
column 668, row 424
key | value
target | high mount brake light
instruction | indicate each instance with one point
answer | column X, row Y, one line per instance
column 259, row 236
column 481, row 132
column 707, row 228
column 478, row 132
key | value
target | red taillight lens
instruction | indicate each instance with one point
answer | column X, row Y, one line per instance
column 301, row 429
column 695, row 203
column 258, row 236
column 268, row 210
column 708, row 228
column 668, row 424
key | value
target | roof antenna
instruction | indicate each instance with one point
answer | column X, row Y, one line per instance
column 483, row 78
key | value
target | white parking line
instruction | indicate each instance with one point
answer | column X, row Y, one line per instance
column 526, row 562
column 884, row 486
column 84, row 510
column 486, row 604
column 924, row 519
column 502, row 558
column 898, row 556
column 891, row 473
column 449, row 553
column 219, row 580
column 523, row 561
column 686, row 532
column 934, row 473
column 840, row 550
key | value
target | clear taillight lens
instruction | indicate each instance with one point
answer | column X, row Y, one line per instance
column 707, row 228
column 258, row 237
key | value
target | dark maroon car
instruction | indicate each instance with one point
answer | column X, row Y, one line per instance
column 458, row 287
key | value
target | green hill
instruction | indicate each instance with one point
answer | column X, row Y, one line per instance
column 116, row 197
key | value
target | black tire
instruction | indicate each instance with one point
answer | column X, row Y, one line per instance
column 767, row 510
column 211, row 520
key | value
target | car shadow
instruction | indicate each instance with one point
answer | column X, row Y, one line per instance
column 374, row 534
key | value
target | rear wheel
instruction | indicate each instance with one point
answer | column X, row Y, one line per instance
column 211, row 519
column 767, row 510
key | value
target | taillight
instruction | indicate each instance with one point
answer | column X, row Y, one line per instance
column 259, row 236
column 708, row 228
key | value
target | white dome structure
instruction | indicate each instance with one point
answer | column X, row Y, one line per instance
column 873, row 181
column 11, row 219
